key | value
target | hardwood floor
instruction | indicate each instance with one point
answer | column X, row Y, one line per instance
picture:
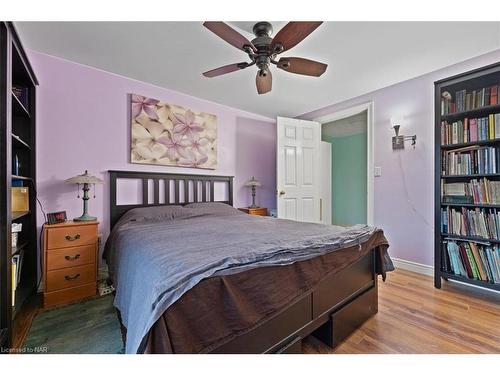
column 414, row 317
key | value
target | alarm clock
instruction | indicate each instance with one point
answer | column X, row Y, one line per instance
column 56, row 217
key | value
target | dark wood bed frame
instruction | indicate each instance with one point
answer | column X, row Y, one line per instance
column 332, row 311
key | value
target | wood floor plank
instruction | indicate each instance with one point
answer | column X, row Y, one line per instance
column 414, row 317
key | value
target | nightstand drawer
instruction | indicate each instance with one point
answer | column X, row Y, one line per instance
column 71, row 236
column 69, row 295
column 70, row 277
column 70, row 257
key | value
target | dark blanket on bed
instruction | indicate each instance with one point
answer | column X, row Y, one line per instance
column 222, row 308
column 160, row 256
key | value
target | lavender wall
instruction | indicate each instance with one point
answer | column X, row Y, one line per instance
column 404, row 194
column 83, row 123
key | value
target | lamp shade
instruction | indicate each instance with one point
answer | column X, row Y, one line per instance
column 253, row 182
column 85, row 178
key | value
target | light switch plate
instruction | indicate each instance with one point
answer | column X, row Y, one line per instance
column 378, row 171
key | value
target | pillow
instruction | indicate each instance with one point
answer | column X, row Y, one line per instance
column 155, row 213
column 215, row 208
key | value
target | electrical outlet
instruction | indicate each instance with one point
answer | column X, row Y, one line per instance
column 377, row 171
column 105, row 289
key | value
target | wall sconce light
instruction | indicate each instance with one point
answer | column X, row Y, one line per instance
column 398, row 141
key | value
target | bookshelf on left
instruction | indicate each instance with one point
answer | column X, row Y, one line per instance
column 18, row 264
column 467, row 178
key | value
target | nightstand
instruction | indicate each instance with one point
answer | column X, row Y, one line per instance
column 259, row 211
column 70, row 261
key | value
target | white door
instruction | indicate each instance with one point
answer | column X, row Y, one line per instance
column 298, row 167
column 325, row 209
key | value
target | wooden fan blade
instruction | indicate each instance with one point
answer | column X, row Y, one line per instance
column 264, row 81
column 225, row 69
column 292, row 34
column 230, row 35
column 298, row 65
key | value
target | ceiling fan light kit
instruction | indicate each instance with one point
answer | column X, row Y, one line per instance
column 263, row 50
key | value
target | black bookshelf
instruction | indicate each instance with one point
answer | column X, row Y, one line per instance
column 17, row 142
column 473, row 80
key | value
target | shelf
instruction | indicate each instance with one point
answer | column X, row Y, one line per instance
column 16, row 177
column 19, row 214
column 488, row 142
column 469, row 238
column 20, row 142
column 18, row 248
column 470, row 175
column 23, row 291
column 18, row 108
column 473, row 205
column 473, row 112
column 466, row 280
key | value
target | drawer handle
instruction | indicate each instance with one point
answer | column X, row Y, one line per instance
column 71, row 258
column 68, row 277
column 74, row 238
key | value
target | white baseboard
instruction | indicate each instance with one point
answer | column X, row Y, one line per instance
column 408, row 265
column 424, row 269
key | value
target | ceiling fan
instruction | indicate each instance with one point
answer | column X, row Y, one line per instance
column 263, row 50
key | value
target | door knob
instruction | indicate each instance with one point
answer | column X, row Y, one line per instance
column 281, row 192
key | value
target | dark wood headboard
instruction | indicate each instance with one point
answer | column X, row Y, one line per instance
column 197, row 188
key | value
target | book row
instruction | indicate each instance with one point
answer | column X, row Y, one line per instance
column 476, row 191
column 472, row 260
column 478, row 222
column 466, row 100
column 471, row 160
column 471, row 130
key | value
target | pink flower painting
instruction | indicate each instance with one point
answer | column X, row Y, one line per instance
column 141, row 103
column 167, row 134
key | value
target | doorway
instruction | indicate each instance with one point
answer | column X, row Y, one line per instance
column 347, row 191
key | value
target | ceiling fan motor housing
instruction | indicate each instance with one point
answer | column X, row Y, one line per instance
column 262, row 42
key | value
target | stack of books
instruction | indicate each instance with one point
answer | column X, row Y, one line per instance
column 478, row 222
column 466, row 100
column 471, row 260
column 471, row 130
column 471, row 160
column 481, row 191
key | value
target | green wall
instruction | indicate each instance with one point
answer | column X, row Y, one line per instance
column 349, row 173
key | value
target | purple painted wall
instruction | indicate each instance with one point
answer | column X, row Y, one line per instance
column 83, row 123
column 404, row 194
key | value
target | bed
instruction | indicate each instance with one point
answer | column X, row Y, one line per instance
column 194, row 275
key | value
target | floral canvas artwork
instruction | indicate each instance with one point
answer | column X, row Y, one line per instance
column 167, row 134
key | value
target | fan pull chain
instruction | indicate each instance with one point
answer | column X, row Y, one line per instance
column 78, row 193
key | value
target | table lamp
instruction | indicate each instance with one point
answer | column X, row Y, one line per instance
column 254, row 184
column 86, row 180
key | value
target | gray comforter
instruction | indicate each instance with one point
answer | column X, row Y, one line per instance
column 156, row 255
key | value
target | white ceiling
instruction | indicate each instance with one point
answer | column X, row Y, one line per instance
column 362, row 57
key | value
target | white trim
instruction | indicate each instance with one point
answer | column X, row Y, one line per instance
column 348, row 112
column 424, row 269
column 408, row 265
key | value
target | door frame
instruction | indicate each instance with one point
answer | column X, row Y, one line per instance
column 370, row 167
